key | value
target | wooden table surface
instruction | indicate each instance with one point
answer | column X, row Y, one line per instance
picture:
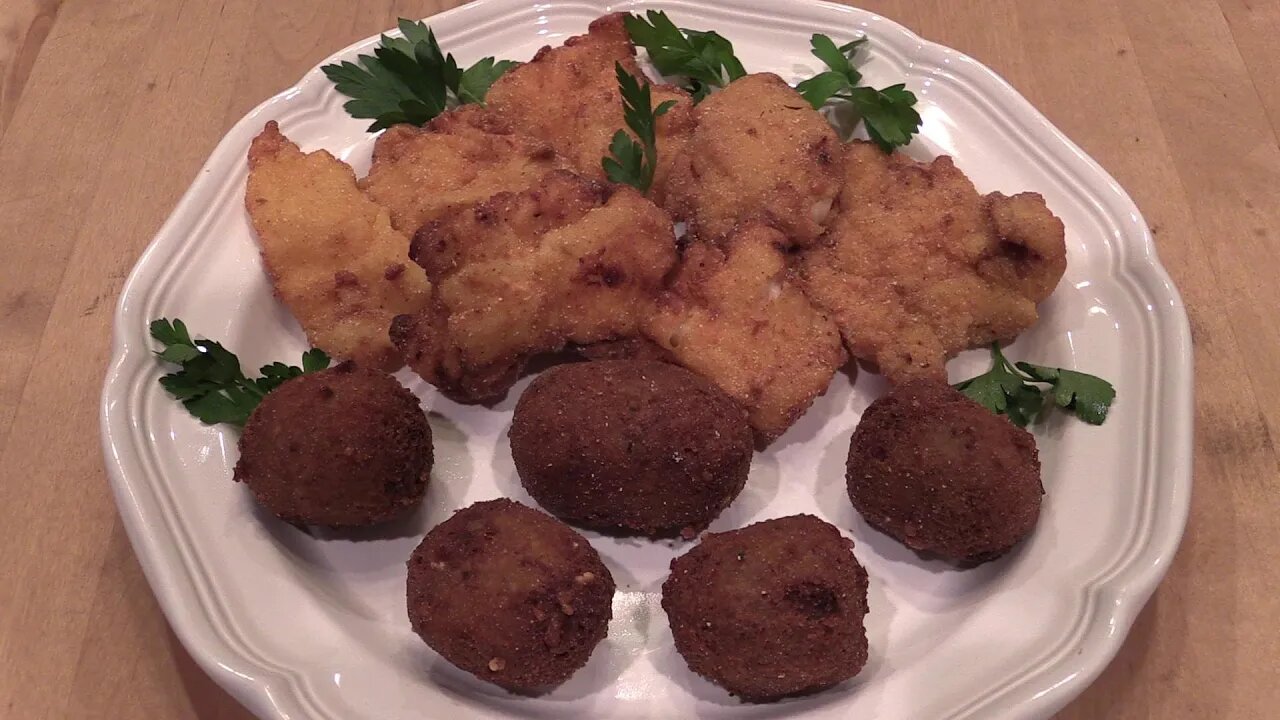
column 107, row 110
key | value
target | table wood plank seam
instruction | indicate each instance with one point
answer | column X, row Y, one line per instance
column 30, row 28
column 1250, row 68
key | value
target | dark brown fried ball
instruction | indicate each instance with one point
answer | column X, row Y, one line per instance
column 633, row 446
column 772, row 610
column 509, row 594
column 343, row 447
column 944, row 475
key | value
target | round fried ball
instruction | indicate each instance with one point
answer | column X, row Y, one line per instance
column 631, row 446
column 343, row 447
column 510, row 595
column 772, row 610
column 944, row 475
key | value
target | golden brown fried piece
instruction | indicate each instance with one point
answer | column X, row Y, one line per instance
column 570, row 261
column 510, row 595
column 569, row 97
column 461, row 157
column 631, row 348
column 944, row 475
column 504, row 225
column 773, row 610
column 759, row 152
column 918, row 266
column 736, row 316
column 333, row 257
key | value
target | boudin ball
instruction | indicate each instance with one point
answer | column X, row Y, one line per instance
column 344, row 447
column 510, row 595
column 944, row 475
column 630, row 446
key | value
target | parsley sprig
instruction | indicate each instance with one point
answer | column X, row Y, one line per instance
column 889, row 113
column 1013, row 389
column 633, row 161
column 410, row 79
column 698, row 60
column 211, row 384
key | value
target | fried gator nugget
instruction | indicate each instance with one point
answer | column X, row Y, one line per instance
column 461, row 157
column 759, row 151
column 569, row 97
column 918, row 266
column 735, row 316
column 333, row 257
column 572, row 260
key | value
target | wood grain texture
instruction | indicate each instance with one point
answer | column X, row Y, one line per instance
column 109, row 109
column 24, row 24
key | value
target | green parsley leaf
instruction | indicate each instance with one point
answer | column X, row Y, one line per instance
column 821, row 87
column 210, row 383
column 415, row 33
column 837, row 58
column 889, row 114
column 1014, row 390
column 700, row 60
column 1025, row 405
column 994, row 388
column 632, row 161
column 170, row 333
column 314, row 359
column 410, row 79
column 1088, row 396
column 477, row 79
column 626, row 160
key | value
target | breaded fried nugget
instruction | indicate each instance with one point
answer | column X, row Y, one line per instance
column 918, row 266
column 773, row 610
column 759, row 152
column 736, row 316
column 333, row 257
column 524, row 273
column 461, row 157
column 510, row 595
column 569, row 97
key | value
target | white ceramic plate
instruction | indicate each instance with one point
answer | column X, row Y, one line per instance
column 303, row 627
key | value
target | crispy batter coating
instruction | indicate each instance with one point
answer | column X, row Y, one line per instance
column 569, row 97
column 772, row 610
column 510, row 595
column 525, row 273
column 631, row 348
column 631, row 446
column 504, row 225
column 333, row 257
column 944, row 475
column 461, row 157
column 759, row 152
column 736, row 316
column 343, row 447
column 918, row 266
